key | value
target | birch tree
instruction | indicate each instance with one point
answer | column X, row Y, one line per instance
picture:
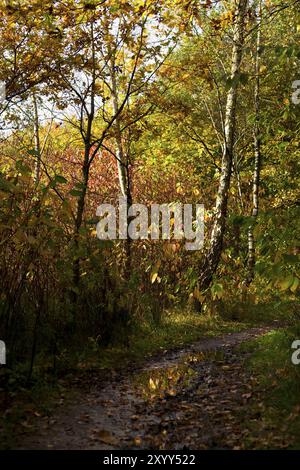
column 37, row 144
column 257, row 157
column 212, row 257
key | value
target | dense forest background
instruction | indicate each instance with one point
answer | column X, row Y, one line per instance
column 185, row 101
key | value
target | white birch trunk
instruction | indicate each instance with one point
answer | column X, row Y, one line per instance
column 121, row 163
column 37, row 144
column 257, row 161
column 212, row 257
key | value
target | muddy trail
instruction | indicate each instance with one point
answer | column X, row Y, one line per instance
column 198, row 397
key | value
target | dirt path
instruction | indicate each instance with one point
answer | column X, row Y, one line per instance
column 197, row 397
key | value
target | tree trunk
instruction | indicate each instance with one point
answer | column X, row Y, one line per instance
column 122, row 162
column 257, row 161
column 78, row 224
column 212, row 257
column 37, row 145
column 85, row 175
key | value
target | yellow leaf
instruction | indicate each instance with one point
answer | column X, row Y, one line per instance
column 295, row 285
column 137, row 441
column 197, row 294
column 106, row 437
column 152, row 384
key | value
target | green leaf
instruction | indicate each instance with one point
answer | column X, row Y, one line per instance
column 286, row 283
column 75, row 192
column 60, row 179
column 217, row 291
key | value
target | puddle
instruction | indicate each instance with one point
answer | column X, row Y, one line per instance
column 170, row 380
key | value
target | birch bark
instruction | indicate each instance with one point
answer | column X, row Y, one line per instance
column 37, row 144
column 257, row 160
column 212, row 257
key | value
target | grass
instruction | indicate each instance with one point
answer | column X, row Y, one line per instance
column 176, row 329
column 278, row 379
column 254, row 311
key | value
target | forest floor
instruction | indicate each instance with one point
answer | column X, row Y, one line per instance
column 201, row 396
